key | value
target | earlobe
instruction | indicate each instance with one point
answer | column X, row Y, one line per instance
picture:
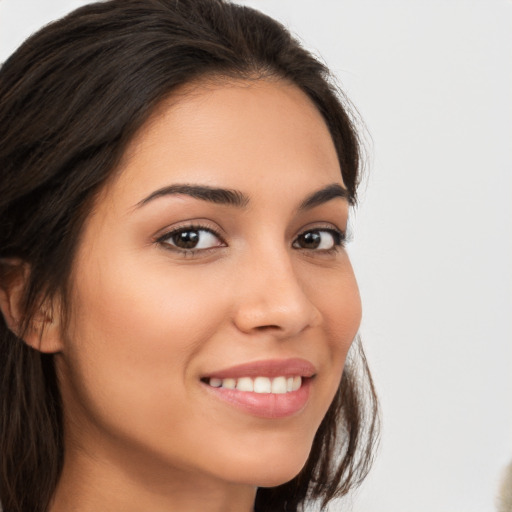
column 13, row 276
column 43, row 332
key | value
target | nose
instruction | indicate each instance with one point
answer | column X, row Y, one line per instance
column 273, row 298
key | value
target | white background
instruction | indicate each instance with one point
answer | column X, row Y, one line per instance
column 433, row 245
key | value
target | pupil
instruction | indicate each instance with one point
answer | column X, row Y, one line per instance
column 186, row 239
column 310, row 240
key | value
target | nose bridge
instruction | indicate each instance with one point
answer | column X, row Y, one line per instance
column 272, row 295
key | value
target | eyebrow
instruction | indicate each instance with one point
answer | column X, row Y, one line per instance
column 333, row 191
column 205, row 193
column 238, row 199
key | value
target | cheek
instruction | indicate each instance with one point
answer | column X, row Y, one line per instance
column 146, row 310
column 336, row 296
column 344, row 316
column 335, row 293
column 132, row 338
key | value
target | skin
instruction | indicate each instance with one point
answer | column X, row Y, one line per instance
column 149, row 320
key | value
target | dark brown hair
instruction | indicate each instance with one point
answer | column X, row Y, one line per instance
column 71, row 99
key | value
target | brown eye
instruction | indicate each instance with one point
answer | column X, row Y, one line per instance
column 191, row 239
column 318, row 239
column 186, row 239
column 309, row 240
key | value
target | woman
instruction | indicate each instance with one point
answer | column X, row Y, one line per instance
column 177, row 302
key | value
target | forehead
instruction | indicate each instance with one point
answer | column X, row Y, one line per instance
column 241, row 134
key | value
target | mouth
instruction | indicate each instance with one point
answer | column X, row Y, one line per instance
column 276, row 385
column 267, row 389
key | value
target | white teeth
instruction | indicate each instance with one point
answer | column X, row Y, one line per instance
column 216, row 383
column 229, row 383
column 262, row 385
column 245, row 384
column 277, row 385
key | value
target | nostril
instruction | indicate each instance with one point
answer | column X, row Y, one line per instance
column 267, row 327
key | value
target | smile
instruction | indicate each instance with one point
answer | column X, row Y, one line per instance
column 269, row 389
column 277, row 385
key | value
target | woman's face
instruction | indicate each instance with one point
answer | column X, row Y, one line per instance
column 213, row 260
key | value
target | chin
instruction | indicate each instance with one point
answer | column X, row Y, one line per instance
column 271, row 476
column 262, row 469
column 277, row 478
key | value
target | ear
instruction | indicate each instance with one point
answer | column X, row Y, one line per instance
column 44, row 330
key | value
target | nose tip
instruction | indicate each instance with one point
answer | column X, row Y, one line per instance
column 275, row 302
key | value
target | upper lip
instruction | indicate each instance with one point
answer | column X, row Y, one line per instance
column 267, row 368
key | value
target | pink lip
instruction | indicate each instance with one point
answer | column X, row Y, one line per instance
column 266, row 405
column 269, row 368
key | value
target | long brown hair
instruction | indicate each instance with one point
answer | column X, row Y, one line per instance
column 71, row 98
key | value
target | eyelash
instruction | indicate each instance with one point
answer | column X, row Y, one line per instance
column 339, row 239
column 162, row 240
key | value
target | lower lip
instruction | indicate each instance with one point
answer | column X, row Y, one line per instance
column 266, row 405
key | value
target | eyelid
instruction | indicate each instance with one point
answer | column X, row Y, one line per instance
column 192, row 223
column 324, row 226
